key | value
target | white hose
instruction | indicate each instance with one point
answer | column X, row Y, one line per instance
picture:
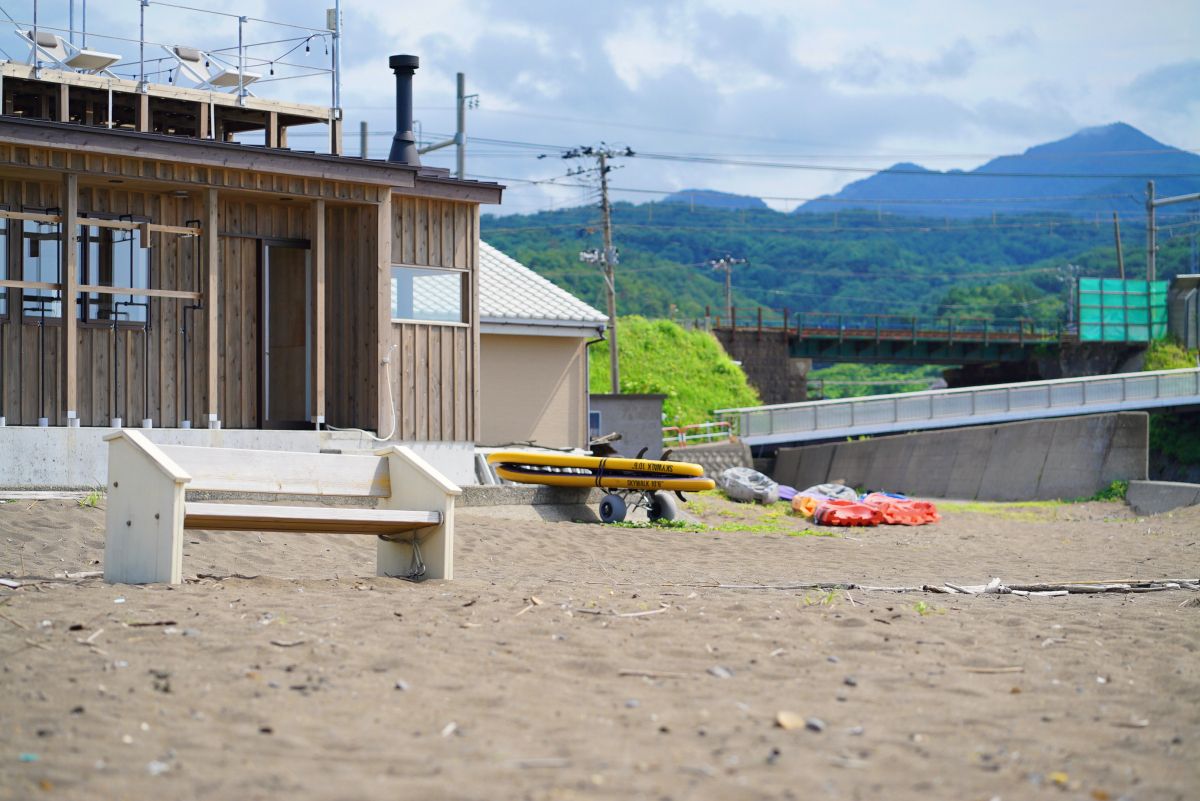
column 387, row 371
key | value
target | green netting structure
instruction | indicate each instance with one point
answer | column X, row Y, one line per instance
column 1117, row 310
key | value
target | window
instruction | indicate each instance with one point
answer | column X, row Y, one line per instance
column 40, row 262
column 428, row 294
column 113, row 257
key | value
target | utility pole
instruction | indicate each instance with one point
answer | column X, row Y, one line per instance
column 726, row 264
column 362, row 139
column 463, row 101
column 1120, row 253
column 1151, row 244
column 609, row 257
column 1151, row 229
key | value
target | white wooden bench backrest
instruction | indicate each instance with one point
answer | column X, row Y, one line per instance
column 289, row 473
column 146, row 504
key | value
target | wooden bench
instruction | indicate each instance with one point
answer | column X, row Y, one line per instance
column 147, row 511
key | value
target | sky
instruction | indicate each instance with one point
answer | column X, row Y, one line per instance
column 808, row 84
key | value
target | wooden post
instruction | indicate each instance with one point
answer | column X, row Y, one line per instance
column 335, row 140
column 318, row 306
column 383, row 324
column 70, row 280
column 143, row 112
column 64, row 103
column 272, row 129
column 202, row 131
column 212, row 257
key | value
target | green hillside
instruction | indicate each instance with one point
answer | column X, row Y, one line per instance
column 849, row 262
column 689, row 367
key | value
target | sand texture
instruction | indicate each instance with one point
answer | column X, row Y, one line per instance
column 580, row 661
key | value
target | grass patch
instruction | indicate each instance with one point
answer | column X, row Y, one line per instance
column 92, row 499
column 1021, row 510
column 1113, row 492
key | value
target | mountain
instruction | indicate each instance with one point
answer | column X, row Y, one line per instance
column 710, row 198
column 1095, row 171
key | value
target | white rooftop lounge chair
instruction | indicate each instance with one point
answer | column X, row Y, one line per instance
column 207, row 71
column 47, row 46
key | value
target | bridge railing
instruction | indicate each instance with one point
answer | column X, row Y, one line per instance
column 937, row 408
column 885, row 326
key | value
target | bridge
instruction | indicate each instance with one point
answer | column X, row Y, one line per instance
column 952, row 408
column 895, row 339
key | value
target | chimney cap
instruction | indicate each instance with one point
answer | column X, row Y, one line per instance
column 404, row 62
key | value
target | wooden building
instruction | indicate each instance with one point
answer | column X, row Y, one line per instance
column 159, row 275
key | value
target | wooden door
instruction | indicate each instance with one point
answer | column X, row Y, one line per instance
column 286, row 337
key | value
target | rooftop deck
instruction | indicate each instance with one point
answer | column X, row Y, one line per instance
column 58, row 71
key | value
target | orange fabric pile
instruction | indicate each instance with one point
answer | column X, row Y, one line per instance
column 835, row 512
column 902, row 511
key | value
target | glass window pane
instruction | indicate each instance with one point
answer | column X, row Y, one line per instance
column 40, row 257
column 427, row 294
column 115, row 258
column 130, row 268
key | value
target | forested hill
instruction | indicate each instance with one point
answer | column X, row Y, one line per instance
column 866, row 262
column 1097, row 170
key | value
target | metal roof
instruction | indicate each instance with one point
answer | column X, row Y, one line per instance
column 511, row 293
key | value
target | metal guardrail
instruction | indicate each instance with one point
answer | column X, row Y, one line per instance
column 950, row 408
column 697, row 433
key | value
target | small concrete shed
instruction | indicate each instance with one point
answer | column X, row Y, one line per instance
column 533, row 338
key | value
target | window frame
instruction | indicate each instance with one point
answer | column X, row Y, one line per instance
column 464, row 303
column 35, row 317
column 86, row 299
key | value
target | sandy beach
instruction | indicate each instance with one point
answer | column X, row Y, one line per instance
column 570, row 660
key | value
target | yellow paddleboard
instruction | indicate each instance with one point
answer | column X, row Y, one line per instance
column 612, row 464
column 647, row 483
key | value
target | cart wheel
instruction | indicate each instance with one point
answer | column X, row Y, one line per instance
column 662, row 507
column 612, row 509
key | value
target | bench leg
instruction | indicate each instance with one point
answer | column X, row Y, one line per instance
column 143, row 540
column 395, row 558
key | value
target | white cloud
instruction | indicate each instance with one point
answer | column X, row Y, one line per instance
column 857, row 82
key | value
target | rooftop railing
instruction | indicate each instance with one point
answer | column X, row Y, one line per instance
column 189, row 46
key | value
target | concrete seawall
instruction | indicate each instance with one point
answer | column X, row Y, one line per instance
column 1068, row 457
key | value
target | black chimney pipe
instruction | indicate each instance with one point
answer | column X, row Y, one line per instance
column 404, row 144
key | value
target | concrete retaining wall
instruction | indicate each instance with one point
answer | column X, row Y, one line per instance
column 715, row 457
column 77, row 458
column 1068, row 457
column 1156, row 497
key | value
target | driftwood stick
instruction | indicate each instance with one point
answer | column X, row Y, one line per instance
column 652, row 674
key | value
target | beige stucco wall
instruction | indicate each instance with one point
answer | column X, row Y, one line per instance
column 533, row 388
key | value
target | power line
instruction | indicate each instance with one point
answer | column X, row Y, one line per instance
column 752, row 138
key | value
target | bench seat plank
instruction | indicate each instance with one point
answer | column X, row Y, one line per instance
column 311, row 519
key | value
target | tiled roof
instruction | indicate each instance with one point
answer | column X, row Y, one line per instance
column 510, row 292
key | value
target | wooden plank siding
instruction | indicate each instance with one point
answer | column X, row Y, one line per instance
column 434, row 366
column 351, row 312
column 367, row 229
column 106, row 356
